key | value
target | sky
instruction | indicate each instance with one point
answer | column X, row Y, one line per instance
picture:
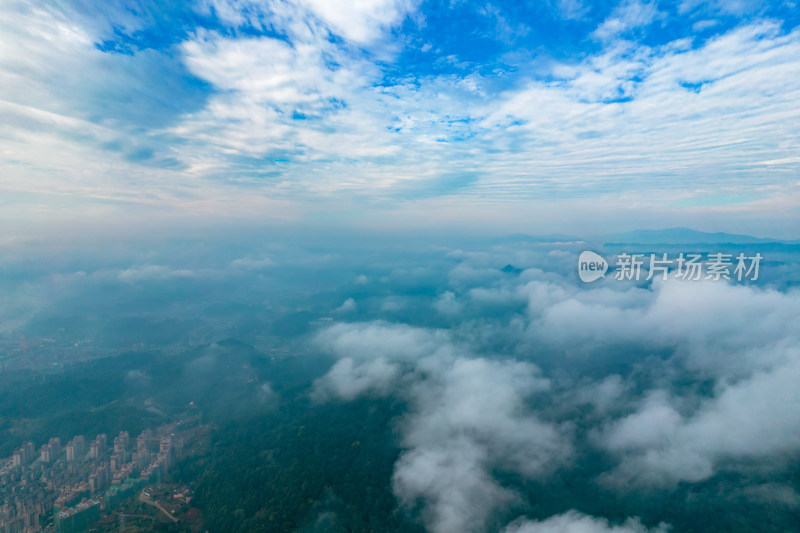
column 559, row 115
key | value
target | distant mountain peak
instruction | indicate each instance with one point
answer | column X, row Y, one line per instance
column 680, row 235
column 510, row 269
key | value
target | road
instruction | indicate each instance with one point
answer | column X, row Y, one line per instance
column 148, row 501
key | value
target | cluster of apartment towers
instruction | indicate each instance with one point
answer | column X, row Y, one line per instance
column 121, row 463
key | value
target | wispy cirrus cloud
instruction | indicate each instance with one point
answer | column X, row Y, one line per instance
column 293, row 107
column 628, row 15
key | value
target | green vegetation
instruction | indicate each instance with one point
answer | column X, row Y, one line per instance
column 134, row 391
column 303, row 467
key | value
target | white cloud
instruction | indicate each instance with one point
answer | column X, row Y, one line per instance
column 628, row 15
column 745, row 339
column 742, row 338
column 348, row 306
column 348, row 379
column 264, row 82
column 678, row 120
column 268, row 70
column 575, row 522
column 650, row 427
column 705, row 24
column 603, row 395
column 148, row 272
column 709, row 324
column 458, row 492
column 447, row 304
column 362, row 21
column 644, row 97
column 393, row 304
column 727, row 7
column 573, row 9
column 757, row 418
column 370, row 340
column 468, row 418
column 372, row 357
column 266, row 394
column 251, row 263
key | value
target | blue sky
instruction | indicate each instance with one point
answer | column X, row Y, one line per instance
column 560, row 115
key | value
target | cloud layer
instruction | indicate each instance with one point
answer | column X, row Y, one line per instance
column 676, row 382
column 288, row 107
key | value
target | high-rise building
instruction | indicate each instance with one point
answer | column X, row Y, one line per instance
column 24, row 454
column 45, row 453
column 55, row 447
column 28, row 452
column 121, row 445
column 165, row 451
column 97, row 449
column 78, row 518
column 144, row 440
column 75, row 448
